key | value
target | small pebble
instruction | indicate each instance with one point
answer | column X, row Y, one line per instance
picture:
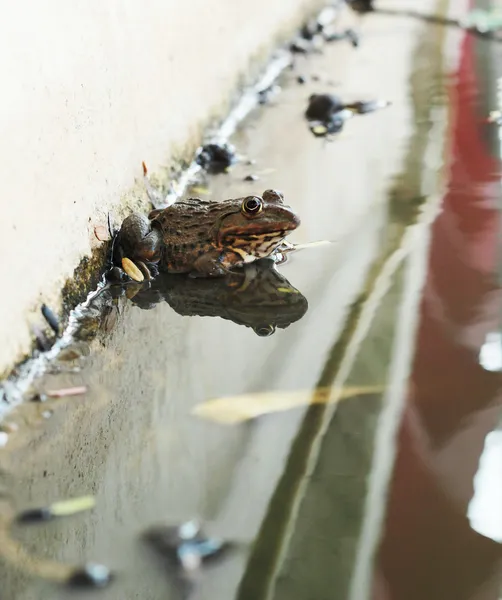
column 9, row 427
column 300, row 46
column 185, row 545
column 90, row 575
column 51, row 318
column 47, row 414
column 310, row 29
column 189, row 530
column 34, row 515
column 251, row 178
column 216, row 158
column 39, row 397
column 43, row 344
column 353, row 37
column 301, row 79
column 322, row 106
column 115, row 275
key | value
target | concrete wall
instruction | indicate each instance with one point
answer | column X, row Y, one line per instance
column 91, row 89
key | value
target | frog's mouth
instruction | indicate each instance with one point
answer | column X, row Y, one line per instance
column 252, row 246
column 255, row 229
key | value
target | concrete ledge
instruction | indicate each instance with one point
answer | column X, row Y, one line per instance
column 90, row 92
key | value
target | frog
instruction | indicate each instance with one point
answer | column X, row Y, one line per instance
column 205, row 238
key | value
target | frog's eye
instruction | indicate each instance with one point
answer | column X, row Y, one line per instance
column 264, row 330
column 252, row 205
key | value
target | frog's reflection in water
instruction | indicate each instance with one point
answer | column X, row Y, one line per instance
column 256, row 296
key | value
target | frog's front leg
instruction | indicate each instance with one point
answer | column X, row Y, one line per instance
column 215, row 263
column 137, row 240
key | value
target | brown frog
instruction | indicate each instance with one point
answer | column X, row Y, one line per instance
column 206, row 238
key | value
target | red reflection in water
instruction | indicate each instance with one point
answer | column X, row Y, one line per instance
column 429, row 551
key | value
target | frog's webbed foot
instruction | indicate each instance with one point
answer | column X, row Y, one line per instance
column 216, row 263
column 137, row 240
column 207, row 268
column 138, row 243
column 137, row 248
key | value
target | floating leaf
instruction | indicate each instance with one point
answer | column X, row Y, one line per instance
column 236, row 409
column 65, row 508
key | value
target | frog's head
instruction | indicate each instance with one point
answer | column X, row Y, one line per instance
column 258, row 224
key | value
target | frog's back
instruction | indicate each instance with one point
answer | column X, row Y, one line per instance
column 188, row 231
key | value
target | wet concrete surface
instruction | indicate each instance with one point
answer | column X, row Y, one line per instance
column 302, row 492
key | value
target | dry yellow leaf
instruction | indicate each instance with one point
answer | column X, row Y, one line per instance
column 64, row 508
column 236, row 409
column 132, row 270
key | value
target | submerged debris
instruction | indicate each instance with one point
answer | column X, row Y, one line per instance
column 185, row 546
column 483, row 21
column 301, row 79
column 91, row 575
column 62, row 508
column 216, row 158
column 362, row 5
column 335, row 36
column 323, row 106
column 64, row 392
column 265, row 95
column 116, row 275
column 318, row 25
column 51, row 318
column 495, row 116
column 327, row 113
column 43, row 342
column 4, row 438
column 251, row 177
column 364, row 107
column 300, row 46
column 9, row 427
column 73, row 352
